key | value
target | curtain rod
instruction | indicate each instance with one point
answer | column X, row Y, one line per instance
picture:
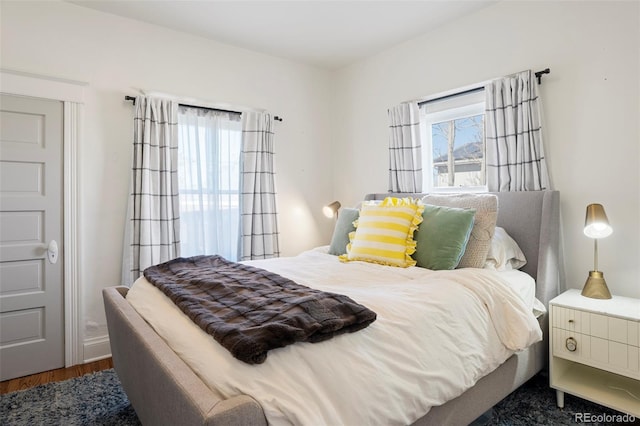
column 133, row 99
column 453, row 95
column 538, row 75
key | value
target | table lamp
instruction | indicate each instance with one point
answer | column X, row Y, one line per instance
column 596, row 225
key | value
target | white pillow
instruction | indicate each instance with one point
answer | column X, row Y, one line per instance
column 504, row 253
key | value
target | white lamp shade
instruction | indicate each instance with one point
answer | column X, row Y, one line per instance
column 596, row 224
column 331, row 209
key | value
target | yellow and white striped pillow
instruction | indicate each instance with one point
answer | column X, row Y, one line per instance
column 384, row 232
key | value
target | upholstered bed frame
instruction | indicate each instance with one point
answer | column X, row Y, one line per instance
column 165, row 391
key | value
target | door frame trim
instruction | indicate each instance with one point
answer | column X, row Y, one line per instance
column 71, row 93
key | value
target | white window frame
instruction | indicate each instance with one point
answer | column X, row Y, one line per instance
column 437, row 111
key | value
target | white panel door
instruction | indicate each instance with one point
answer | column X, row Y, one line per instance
column 31, row 269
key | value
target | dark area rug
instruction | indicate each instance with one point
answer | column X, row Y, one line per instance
column 93, row 399
column 534, row 403
column 98, row 399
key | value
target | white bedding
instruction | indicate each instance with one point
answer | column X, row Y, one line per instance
column 436, row 335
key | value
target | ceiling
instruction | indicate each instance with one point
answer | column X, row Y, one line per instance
column 324, row 33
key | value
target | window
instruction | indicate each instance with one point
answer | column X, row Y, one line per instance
column 209, row 181
column 453, row 143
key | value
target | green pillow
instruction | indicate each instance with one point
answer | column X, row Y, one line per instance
column 442, row 236
column 344, row 225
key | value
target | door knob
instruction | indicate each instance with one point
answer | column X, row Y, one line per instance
column 52, row 252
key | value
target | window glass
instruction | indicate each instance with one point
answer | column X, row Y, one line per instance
column 209, row 182
column 453, row 145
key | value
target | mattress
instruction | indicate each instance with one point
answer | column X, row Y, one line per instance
column 437, row 333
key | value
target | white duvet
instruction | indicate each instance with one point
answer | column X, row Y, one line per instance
column 436, row 334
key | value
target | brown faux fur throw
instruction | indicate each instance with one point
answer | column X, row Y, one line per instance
column 250, row 310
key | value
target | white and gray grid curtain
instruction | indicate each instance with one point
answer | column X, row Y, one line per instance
column 513, row 129
column 153, row 228
column 405, row 149
column 259, row 219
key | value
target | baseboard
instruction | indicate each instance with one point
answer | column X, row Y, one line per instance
column 96, row 348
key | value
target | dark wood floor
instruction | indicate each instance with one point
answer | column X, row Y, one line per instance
column 60, row 374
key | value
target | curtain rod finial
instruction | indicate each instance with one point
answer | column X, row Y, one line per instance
column 540, row 73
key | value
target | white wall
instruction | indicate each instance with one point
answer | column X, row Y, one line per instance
column 590, row 102
column 116, row 56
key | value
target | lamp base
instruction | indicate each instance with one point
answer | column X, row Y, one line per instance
column 596, row 286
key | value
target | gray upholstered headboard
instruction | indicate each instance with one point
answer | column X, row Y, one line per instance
column 532, row 218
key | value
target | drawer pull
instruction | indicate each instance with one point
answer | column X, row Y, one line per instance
column 570, row 321
column 571, row 344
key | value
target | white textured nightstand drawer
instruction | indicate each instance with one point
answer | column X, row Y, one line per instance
column 598, row 325
column 600, row 353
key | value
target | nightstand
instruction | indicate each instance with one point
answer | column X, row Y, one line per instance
column 594, row 350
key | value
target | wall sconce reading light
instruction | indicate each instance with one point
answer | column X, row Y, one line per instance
column 596, row 225
column 331, row 210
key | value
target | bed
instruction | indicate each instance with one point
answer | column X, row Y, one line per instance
column 165, row 389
